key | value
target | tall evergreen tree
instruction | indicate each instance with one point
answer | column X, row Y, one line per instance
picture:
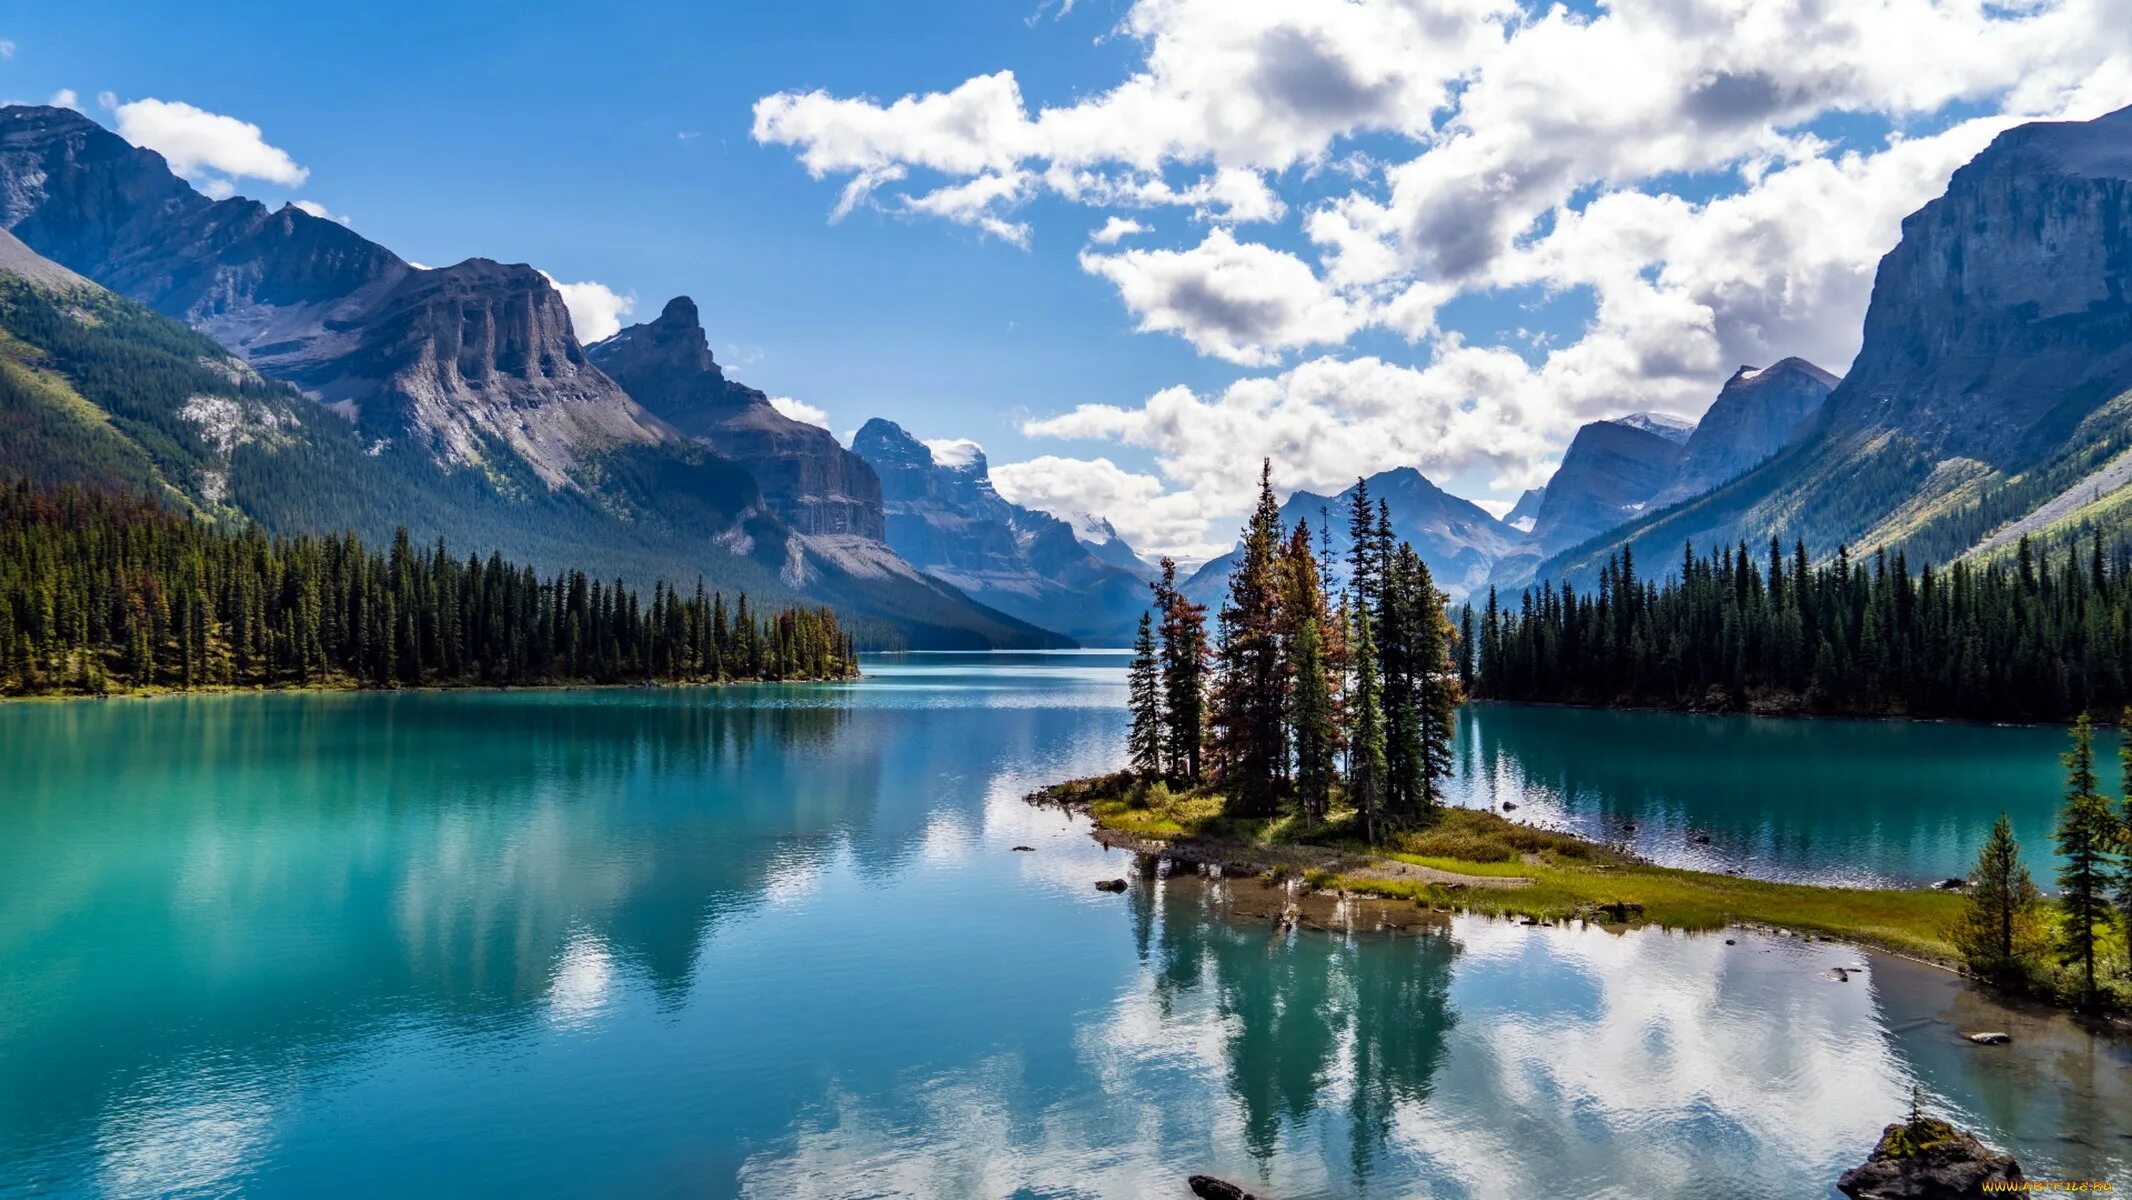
column 1366, row 757
column 1253, row 696
column 1144, row 691
column 1183, row 631
column 2087, row 835
column 2001, row 924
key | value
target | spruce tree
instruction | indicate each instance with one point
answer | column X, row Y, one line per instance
column 2087, row 836
column 1183, row 653
column 1252, row 692
column 1313, row 718
column 1144, row 689
column 1366, row 759
column 2001, row 923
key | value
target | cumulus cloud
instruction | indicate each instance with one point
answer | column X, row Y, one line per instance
column 1116, row 228
column 596, row 310
column 954, row 452
column 209, row 147
column 804, row 413
column 1235, row 300
column 65, row 98
column 1713, row 183
column 1137, row 505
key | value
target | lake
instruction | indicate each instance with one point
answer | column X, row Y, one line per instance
column 773, row 941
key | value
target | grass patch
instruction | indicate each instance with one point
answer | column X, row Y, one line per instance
column 1569, row 876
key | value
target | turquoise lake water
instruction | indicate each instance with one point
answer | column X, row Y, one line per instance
column 774, row 942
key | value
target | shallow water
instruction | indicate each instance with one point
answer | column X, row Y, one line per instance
column 772, row 941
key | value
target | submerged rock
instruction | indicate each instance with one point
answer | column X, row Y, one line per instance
column 1991, row 1038
column 1206, row 1187
column 1927, row 1159
column 1110, row 885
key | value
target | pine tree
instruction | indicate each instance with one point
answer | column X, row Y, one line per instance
column 1183, row 631
column 1312, row 715
column 2087, row 835
column 1252, row 693
column 1144, row 688
column 2001, row 925
column 1366, row 759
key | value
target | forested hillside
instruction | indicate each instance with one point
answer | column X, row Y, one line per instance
column 2037, row 637
column 102, row 592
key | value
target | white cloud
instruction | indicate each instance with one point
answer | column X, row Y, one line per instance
column 804, row 413
column 7, row 49
column 1715, row 180
column 1116, row 228
column 1137, row 505
column 1235, row 300
column 65, row 98
column 596, row 310
column 954, row 452
column 319, row 210
column 204, row 146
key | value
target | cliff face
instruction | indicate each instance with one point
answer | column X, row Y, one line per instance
column 816, row 485
column 1993, row 378
column 2005, row 313
column 1758, row 412
column 471, row 363
column 944, row 516
column 1611, row 471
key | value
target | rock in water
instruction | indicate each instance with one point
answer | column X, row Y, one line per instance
column 1928, row 1159
column 1206, row 1187
column 1991, row 1038
column 1110, row 885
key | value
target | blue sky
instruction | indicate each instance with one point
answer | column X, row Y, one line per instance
column 449, row 131
column 1465, row 226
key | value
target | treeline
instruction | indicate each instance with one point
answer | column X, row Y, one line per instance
column 2007, row 933
column 1302, row 700
column 2029, row 639
column 100, row 591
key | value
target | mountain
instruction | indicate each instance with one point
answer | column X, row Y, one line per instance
column 1457, row 538
column 1990, row 392
column 944, row 516
column 815, row 484
column 1757, row 413
column 464, row 382
column 1101, row 539
column 1611, row 471
column 1526, row 511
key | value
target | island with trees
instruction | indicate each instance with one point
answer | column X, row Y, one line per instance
column 1305, row 737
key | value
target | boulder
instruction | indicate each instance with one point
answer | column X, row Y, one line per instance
column 1110, row 885
column 1950, row 885
column 1927, row 1159
column 1991, row 1038
column 1024, row 849
column 1206, row 1187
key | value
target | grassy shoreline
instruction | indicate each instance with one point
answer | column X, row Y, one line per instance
column 1479, row 861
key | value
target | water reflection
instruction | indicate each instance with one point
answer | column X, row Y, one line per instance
column 1856, row 803
column 773, row 942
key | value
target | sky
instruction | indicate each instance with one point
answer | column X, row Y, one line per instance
column 1130, row 247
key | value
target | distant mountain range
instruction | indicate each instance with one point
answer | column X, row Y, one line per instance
column 945, row 517
column 482, row 417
